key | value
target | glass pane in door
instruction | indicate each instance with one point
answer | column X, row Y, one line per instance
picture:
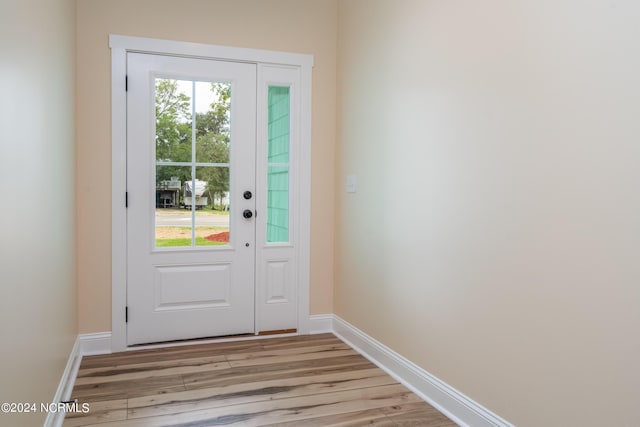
column 212, row 144
column 174, row 109
column 173, row 226
column 192, row 154
column 278, row 122
column 212, row 219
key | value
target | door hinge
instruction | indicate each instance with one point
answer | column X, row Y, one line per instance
column 126, row 199
column 126, row 314
column 126, row 83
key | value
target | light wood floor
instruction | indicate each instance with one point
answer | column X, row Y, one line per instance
column 312, row 380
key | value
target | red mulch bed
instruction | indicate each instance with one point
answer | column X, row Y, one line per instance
column 218, row 237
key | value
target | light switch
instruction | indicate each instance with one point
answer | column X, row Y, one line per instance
column 351, row 184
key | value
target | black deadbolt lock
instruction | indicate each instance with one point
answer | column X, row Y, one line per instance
column 247, row 213
column 247, row 195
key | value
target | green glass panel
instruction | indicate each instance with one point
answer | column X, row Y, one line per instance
column 278, row 204
column 279, row 125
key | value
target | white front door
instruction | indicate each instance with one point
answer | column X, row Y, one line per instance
column 191, row 185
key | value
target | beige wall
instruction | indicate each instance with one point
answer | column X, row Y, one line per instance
column 494, row 236
column 307, row 26
column 38, row 303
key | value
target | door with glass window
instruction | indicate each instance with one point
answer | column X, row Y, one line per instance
column 191, row 208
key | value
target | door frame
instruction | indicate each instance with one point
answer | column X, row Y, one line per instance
column 120, row 45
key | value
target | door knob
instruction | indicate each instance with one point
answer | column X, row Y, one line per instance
column 248, row 213
column 247, row 195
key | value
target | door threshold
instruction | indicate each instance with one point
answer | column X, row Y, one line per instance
column 213, row 340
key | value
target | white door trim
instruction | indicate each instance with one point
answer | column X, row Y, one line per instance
column 120, row 45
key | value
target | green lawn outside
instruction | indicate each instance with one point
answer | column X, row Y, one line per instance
column 172, row 243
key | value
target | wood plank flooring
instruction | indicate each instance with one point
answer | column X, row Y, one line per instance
column 313, row 380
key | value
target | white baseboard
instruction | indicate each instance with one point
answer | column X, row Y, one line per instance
column 320, row 324
column 63, row 393
column 455, row 405
column 92, row 344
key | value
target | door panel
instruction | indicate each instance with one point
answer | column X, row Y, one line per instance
column 192, row 286
column 191, row 270
column 278, row 162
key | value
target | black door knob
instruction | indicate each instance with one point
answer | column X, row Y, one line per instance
column 247, row 195
column 248, row 213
